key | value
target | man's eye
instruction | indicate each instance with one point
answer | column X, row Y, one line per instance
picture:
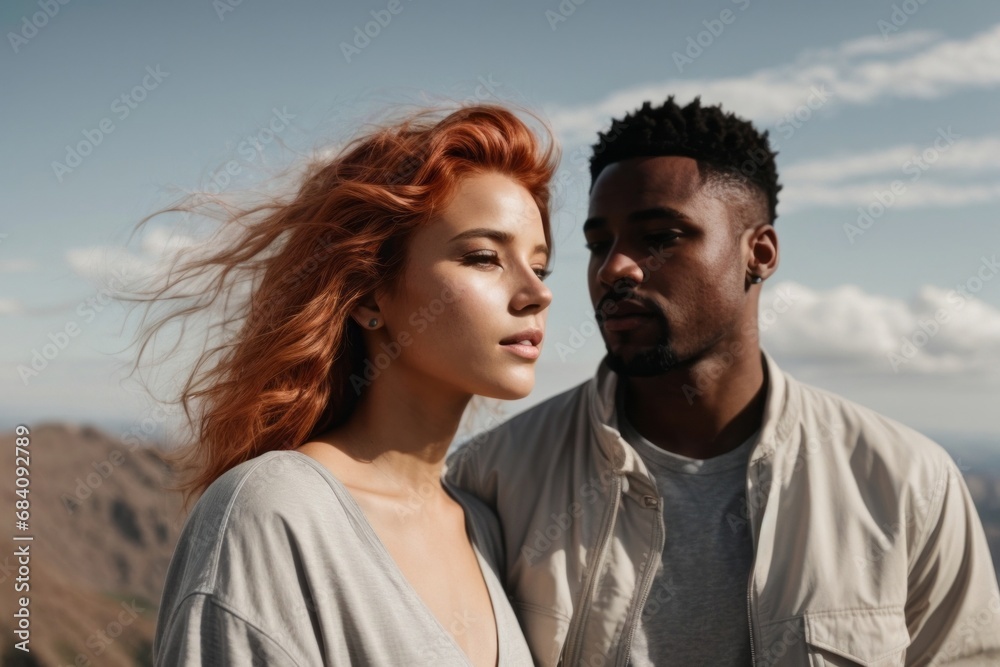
column 596, row 246
column 663, row 238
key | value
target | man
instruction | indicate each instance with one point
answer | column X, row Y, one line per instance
column 692, row 504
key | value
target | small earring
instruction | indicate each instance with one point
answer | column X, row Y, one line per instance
column 756, row 279
column 372, row 323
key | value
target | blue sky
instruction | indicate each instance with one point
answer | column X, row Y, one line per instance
column 887, row 107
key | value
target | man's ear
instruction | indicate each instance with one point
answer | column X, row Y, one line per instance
column 763, row 260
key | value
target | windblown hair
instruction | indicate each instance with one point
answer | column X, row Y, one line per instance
column 285, row 377
column 727, row 148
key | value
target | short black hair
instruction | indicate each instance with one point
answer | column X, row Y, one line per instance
column 727, row 148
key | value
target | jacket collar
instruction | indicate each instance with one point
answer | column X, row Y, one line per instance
column 781, row 413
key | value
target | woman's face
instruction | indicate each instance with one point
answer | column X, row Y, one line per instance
column 471, row 295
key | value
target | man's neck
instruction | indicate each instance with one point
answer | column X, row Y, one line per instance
column 700, row 411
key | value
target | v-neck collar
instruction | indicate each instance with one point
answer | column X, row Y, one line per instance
column 392, row 568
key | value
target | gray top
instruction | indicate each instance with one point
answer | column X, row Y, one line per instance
column 696, row 612
column 277, row 565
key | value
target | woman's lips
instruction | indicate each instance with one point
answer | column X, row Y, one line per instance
column 523, row 349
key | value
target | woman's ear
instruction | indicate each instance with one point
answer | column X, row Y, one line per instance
column 367, row 313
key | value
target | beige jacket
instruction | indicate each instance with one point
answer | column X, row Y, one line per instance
column 868, row 549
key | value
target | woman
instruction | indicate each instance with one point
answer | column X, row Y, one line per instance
column 404, row 277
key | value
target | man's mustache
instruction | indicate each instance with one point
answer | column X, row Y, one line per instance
column 626, row 303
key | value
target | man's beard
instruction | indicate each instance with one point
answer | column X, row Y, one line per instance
column 657, row 360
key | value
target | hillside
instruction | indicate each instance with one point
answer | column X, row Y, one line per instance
column 103, row 532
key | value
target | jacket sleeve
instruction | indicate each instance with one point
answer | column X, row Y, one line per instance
column 205, row 633
column 953, row 602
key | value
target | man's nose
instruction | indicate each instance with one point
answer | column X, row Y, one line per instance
column 620, row 266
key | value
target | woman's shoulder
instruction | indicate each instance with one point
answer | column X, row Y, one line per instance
column 254, row 542
column 269, row 503
column 272, row 482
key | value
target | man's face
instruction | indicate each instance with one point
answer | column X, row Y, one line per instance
column 667, row 269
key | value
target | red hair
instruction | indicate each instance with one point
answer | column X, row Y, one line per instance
column 284, row 377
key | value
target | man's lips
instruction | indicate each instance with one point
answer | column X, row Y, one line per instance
column 624, row 315
column 627, row 322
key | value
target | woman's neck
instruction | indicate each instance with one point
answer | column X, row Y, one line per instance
column 402, row 427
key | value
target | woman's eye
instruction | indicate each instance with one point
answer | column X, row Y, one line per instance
column 481, row 259
column 543, row 273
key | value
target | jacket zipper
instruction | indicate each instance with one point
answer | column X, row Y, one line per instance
column 647, row 585
column 576, row 634
column 753, row 658
column 753, row 563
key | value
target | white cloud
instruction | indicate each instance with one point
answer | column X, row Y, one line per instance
column 160, row 241
column 876, row 44
column 109, row 266
column 831, row 181
column 940, row 332
column 965, row 154
column 859, row 72
column 914, row 194
column 116, row 268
